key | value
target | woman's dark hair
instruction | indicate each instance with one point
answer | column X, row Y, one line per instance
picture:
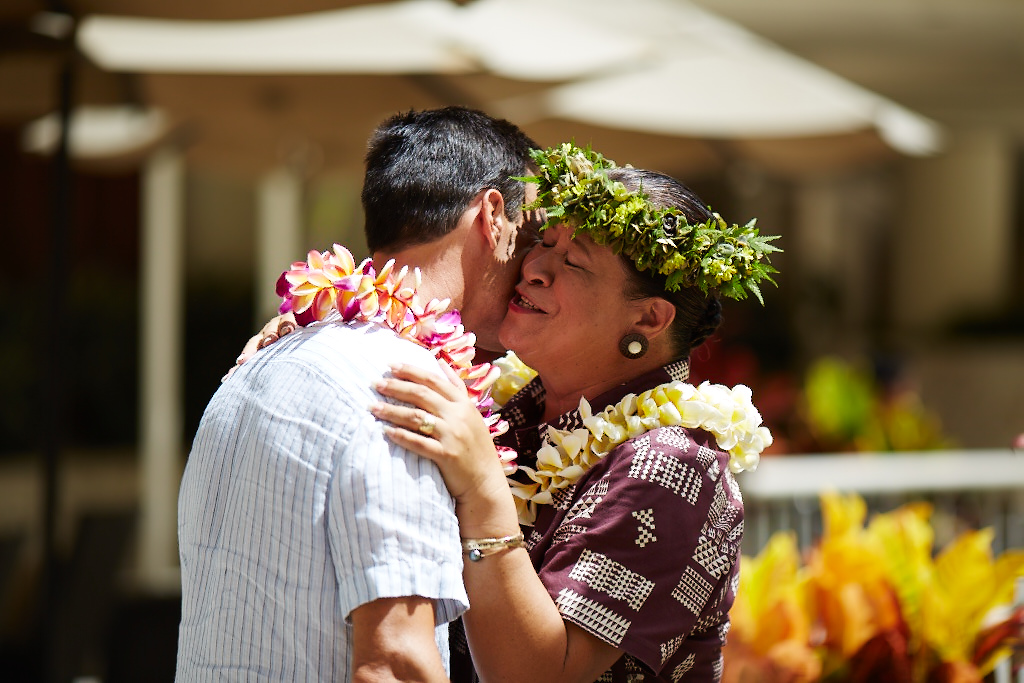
column 424, row 167
column 698, row 315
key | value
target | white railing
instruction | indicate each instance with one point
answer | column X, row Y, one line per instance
column 968, row 488
column 976, row 489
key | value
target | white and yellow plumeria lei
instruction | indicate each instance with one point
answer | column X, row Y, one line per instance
column 726, row 413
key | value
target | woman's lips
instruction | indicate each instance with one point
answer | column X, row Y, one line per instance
column 521, row 302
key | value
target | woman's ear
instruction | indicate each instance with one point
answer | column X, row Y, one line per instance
column 655, row 316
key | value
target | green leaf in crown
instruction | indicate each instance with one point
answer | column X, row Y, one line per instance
column 574, row 189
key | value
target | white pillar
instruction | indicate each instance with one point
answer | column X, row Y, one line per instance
column 161, row 359
column 278, row 235
column 952, row 248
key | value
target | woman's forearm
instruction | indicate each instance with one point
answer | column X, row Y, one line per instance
column 515, row 631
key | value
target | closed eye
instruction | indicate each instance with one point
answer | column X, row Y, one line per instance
column 551, row 245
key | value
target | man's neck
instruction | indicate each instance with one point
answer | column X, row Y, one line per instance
column 440, row 264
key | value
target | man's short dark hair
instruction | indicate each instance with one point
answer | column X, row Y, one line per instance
column 424, row 167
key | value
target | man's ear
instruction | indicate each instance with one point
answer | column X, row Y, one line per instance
column 655, row 316
column 492, row 218
column 498, row 230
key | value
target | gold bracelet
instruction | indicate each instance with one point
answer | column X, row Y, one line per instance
column 479, row 548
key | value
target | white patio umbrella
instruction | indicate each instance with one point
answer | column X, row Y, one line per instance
column 713, row 79
column 501, row 37
column 657, row 67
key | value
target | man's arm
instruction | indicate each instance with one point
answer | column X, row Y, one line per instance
column 393, row 640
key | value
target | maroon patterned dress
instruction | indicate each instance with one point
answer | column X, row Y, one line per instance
column 642, row 551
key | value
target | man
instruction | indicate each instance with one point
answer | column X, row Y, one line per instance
column 311, row 548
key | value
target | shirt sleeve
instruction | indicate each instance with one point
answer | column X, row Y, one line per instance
column 645, row 557
column 392, row 526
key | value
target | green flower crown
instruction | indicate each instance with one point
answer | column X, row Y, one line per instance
column 575, row 190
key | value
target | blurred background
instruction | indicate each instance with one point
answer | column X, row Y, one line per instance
column 161, row 163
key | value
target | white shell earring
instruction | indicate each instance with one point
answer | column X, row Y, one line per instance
column 633, row 345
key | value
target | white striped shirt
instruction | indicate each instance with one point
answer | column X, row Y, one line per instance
column 294, row 510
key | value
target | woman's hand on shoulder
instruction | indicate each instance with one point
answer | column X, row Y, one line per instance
column 275, row 328
column 442, row 424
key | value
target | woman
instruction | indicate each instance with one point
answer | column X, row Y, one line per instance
column 632, row 518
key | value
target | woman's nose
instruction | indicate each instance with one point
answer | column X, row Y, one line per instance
column 534, row 269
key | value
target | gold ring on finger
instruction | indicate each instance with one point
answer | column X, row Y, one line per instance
column 427, row 424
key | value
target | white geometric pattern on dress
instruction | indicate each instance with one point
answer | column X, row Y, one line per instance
column 679, row 371
column 568, row 422
column 670, row 473
column 736, row 535
column 668, row 649
column 730, row 546
column 642, row 445
column 562, row 498
column 533, row 539
column 634, row 672
column 587, row 502
column 674, row 437
column 693, row 591
column 719, row 538
column 531, row 395
column 713, row 619
column 604, row 574
column 514, row 415
column 725, row 522
column 715, row 525
column 709, row 556
column 686, row 665
column 733, row 489
column 716, row 669
column 715, row 471
column 592, row 616
column 645, row 531
column 706, row 456
column 709, row 460
column 606, row 677
column 566, row 531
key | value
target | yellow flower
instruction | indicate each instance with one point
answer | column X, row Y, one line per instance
column 968, row 585
column 874, row 599
column 904, row 539
column 771, row 603
column 515, row 374
column 854, row 600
